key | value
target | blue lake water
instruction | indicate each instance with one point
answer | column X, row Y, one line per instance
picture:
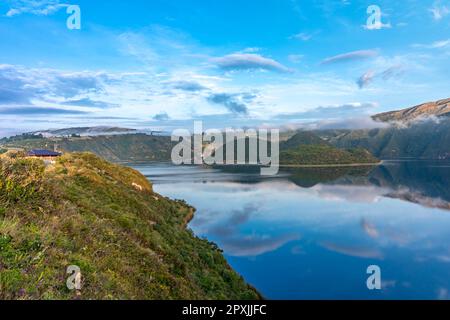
column 312, row 233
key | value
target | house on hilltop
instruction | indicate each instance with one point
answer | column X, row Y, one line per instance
column 45, row 155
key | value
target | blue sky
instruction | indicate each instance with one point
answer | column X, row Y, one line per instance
column 162, row 63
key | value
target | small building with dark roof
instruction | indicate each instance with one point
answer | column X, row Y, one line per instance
column 43, row 154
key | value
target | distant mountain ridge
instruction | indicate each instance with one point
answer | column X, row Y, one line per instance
column 84, row 131
column 132, row 147
column 304, row 148
column 439, row 108
column 417, row 140
column 420, row 132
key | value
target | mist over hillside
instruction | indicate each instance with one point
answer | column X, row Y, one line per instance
column 420, row 132
column 427, row 139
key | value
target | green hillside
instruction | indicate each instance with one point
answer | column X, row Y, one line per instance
column 305, row 148
column 325, row 155
column 129, row 242
column 125, row 147
column 302, row 138
column 421, row 140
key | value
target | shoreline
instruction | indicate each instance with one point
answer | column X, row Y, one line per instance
column 302, row 165
column 330, row 165
column 185, row 226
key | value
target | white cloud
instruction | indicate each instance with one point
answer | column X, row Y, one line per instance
column 247, row 61
column 351, row 56
column 435, row 45
column 302, row 36
column 340, row 112
column 441, row 44
column 394, row 70
column 12, row 12
column 27, row 87
column 377, row 26
column 439, row 12
column 251, row 50
column 177, row 76
column 366, row 79
column 295, row 58
column 37, row 7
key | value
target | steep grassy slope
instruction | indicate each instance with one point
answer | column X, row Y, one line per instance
column 129, row 242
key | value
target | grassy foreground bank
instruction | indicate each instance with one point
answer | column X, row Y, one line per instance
column 129, row 242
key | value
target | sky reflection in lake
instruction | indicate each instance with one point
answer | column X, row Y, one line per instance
column 311, row 234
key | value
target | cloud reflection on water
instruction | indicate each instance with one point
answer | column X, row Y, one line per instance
column 296, row 224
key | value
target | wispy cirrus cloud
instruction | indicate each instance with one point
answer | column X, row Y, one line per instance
column 439, row 11
column 325, row 112
column 29, row 91
column 434, row 45
column 296, row 58
column 351, row 56
column 32, row 91
column 89, row 103
column 378, row 26
column 191, row 86
column 14, row 86
column 34, row 110
column 391, row 72
column 37, row 7
column 303, row 36
column 365, row 79
column 350, row 123
column 186, row 77
column 22, row 85
column 249, row 61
